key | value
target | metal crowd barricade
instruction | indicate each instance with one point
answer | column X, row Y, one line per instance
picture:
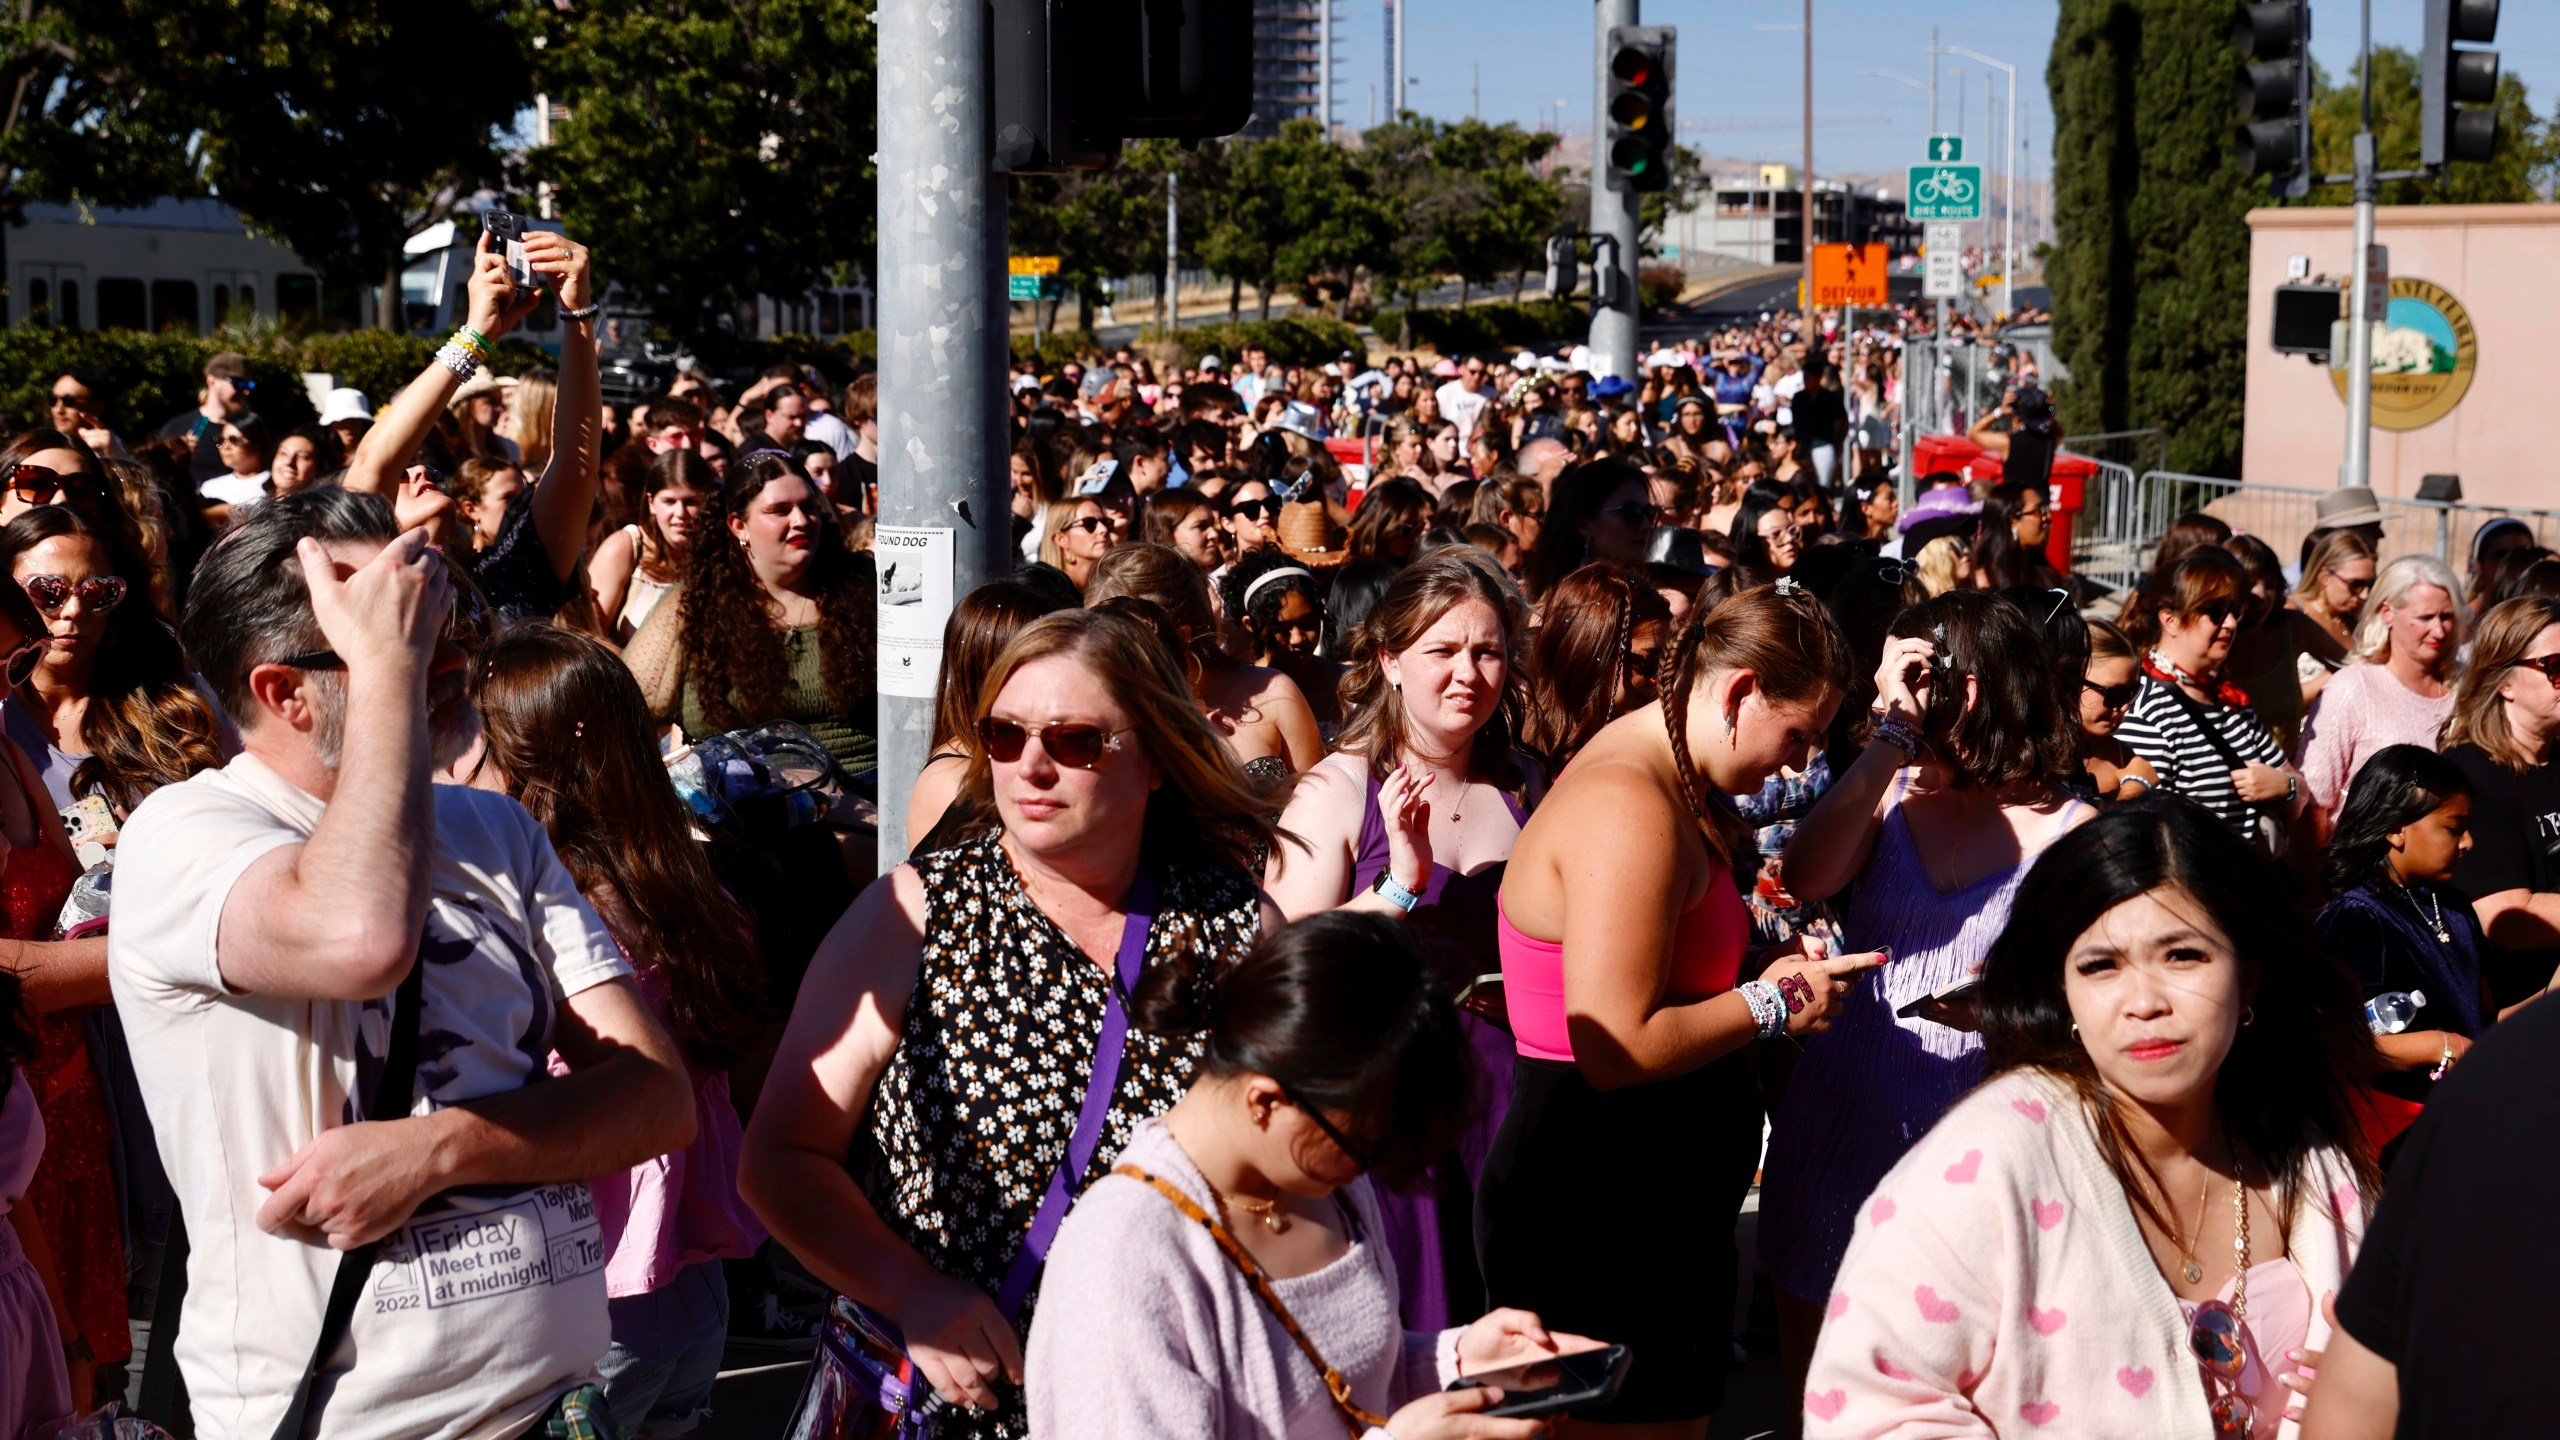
column 2125, row 515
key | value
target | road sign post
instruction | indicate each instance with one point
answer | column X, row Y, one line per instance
column 1945, row 149
column 1945, row 192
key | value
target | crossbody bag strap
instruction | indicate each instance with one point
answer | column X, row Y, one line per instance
column 393, row 1095
column 1099, row 1088
column 1357, row 1420
column 2213, row 735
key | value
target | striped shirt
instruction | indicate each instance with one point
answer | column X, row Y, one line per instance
column 2165, row 733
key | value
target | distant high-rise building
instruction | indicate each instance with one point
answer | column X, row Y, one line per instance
column 1290, row 65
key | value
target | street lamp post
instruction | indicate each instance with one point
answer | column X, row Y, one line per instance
column 2009, row 207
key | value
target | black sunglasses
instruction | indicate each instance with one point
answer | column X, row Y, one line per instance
column 1364, row 1158
column 1634, row 513
column 1263, row 509
column 1075, row 745
column 2116, row 697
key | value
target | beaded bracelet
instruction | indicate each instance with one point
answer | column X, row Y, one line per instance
column 1895, row 731
column 458, row 360
column 1768, row 1012
column 476, row 341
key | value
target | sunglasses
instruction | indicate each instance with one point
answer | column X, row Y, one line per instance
column 2354, row 587
column 1094, row 523
column 1255, row 509
column 2116, row 697
column 40, row 484
column 2219, row 611
column 2549, row 665
column 22, row 661
column 64, row 400
column 2214, row 1337
column 1076, row 745
column 1636, row 513
column 100, row 593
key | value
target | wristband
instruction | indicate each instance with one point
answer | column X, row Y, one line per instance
column 1893, row 730
column 1768, row 1012
column 458, row 360
column 1398, row 896
column 584, row 312
column 478, row 350
column 2445, row 1061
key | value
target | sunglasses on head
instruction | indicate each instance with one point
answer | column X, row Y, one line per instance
column 40, row 484
column 2114, row 697
column 1074, row 744
column 100, row 593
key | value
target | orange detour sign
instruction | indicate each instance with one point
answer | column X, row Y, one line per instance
column 1849, row 274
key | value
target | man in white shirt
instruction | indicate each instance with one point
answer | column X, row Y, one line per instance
column 1257, row 379
column 267, row 915
column 1463, row 400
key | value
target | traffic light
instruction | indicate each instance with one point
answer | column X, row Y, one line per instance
column 1636, row 150
column 2450, row 79
column 1073, row 78
column 2274, row 93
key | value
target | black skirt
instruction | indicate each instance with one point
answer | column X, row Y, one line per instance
column 1610, row 1213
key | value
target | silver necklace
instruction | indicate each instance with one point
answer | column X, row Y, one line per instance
column 2435, row 921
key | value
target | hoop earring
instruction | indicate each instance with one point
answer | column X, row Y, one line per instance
column 2075, row 1030
column 2248, row 1017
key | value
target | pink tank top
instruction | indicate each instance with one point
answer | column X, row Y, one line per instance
column 1706, row 955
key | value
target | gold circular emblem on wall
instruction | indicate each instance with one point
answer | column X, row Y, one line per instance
column 2424, row 352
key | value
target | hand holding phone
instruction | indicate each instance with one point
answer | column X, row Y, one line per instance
column 1957, row 1006
column 1555, row 1384
column 506, row 234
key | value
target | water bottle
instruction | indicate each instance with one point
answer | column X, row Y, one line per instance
column 2390, row 1014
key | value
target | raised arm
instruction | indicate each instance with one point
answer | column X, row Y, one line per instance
column 337, row 917
column 1833, row 843
column 565, row 494
column 391, row 446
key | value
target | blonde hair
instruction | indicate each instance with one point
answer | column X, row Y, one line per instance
column 2479, row 716
column 2373, row 634
column 1936, row 563
column 528, row 419
column 1054, row 524
column 2338, row 547
column 1206, row 806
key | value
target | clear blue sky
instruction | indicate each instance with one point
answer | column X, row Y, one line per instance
column 1536, row 52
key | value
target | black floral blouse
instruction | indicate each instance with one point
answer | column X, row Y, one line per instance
column 974, row 1111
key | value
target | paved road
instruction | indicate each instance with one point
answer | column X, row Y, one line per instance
column 754, row 1396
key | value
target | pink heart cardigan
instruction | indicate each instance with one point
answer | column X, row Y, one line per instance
column 1997, row 1284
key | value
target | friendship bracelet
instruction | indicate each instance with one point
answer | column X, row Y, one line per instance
column 585, row 312
column 1768, row 1012
column 479, row 341
column 1895, row 731
column 461, row 362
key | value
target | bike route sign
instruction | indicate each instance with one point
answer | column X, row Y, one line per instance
column 1945, row 192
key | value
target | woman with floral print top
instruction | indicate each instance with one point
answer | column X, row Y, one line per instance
column 938, row 1054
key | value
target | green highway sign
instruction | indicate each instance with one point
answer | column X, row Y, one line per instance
column 1034, row 287
column 1945, row 192
column 1945, row 149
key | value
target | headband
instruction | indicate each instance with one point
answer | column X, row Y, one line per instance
column 1267, row 576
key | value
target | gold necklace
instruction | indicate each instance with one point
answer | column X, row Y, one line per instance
column 1266, row 1211
column 2194, row 1270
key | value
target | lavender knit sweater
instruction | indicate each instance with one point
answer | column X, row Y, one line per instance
column 1147, row 1329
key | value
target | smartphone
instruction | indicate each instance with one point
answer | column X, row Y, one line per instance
column 1556, row 1384
column 506, row 235
column 1941, row 996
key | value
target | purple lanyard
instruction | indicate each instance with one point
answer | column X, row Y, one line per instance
column 1099, row 1088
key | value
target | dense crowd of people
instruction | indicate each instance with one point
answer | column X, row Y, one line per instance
column 1368, row 924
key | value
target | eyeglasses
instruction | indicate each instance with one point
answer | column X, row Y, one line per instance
column 1636, row 513
column 1073, row 744
column 100, row 593
column 1264, row 509
column 1364, row 1158
column 40, row 484
column 2549, row 665
column 2115, row 697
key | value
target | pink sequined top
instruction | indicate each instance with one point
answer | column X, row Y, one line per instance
column 680, row 1209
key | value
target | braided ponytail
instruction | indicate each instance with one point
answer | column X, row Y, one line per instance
column 1790, row 645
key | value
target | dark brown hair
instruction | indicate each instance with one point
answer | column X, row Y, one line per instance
column 568, row 730
column 2017, row 729
column 733, row 638
column 146, row 724
column 1388, row 505
column 684, row 467
column 1422, row 592
column 1791, row 646
column 1580, row 670
column 981, row 625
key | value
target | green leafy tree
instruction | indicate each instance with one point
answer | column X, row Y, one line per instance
column 1408, row 182
column 1293, row 209
column 97, row 101
column 1500, row 210
column 1690, row 183
column 346, row 126
column 713, row 150
column 2149, row 267
column 2521, row 170
column 1101, row 224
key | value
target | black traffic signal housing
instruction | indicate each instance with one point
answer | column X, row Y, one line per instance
column 1073, row 78
column 1636, row 133
column 2306, row 312
column 2451, row 79
column 2274, row 93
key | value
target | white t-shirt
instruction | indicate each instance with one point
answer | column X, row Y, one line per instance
column 485, row 1307
column 1463, row 408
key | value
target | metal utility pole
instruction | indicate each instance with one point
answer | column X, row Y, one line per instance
column 2009, row 222
column 1324, row 66
column 943, row 351
column 1395, row 104
column 1613, row 215
column 2357, row 467
column 1172, row 252
column 1807, row 302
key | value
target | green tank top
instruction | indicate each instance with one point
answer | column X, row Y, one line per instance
column 853, row 739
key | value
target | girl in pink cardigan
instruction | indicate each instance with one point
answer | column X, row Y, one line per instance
column 1328, row 1051
column 2132, row 1228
